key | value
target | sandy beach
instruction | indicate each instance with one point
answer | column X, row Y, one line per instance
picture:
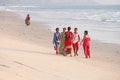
column 27, row 53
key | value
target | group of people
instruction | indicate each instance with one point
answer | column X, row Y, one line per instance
column 65, row 41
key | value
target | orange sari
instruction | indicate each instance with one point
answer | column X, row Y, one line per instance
column 68, row 42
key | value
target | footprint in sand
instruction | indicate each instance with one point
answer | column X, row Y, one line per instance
column 2, row 65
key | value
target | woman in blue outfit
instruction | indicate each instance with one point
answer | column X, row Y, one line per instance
column 56, row 40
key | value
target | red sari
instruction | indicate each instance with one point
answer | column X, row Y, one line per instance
column 68, row 42
column 86, row 47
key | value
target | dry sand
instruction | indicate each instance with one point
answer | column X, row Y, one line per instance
column 26, row 53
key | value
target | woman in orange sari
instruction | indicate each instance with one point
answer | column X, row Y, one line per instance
column 68, row 41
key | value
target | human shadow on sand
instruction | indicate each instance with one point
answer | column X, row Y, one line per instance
column 26, row 51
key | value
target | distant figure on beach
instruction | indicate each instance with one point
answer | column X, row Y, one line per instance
column 56, row 40
column 62, row 42
column 86, row 44
column 27, row 20
column 76, row 40
column 68, row 41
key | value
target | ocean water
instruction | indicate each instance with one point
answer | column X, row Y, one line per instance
column 102, row 22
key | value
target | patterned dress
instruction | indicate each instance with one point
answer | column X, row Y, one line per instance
column 68, row 42
column 62, row 43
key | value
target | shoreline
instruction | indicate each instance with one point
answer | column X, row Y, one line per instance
column 110, row 29
column 27, row 53
column 47, row 29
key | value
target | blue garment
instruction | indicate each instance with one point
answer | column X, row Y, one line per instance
column 56, row 39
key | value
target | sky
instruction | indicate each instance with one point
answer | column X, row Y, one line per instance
column 102, row 2
column 61, row 2
column 108, row 2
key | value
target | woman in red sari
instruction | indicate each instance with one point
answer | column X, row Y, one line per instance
column 68, row 41
column 86, row 44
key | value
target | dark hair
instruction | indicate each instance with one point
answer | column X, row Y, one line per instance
column 69, row 28
column 64, row 28
column 86, row 32
column 76, row 28
column 57, row 28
